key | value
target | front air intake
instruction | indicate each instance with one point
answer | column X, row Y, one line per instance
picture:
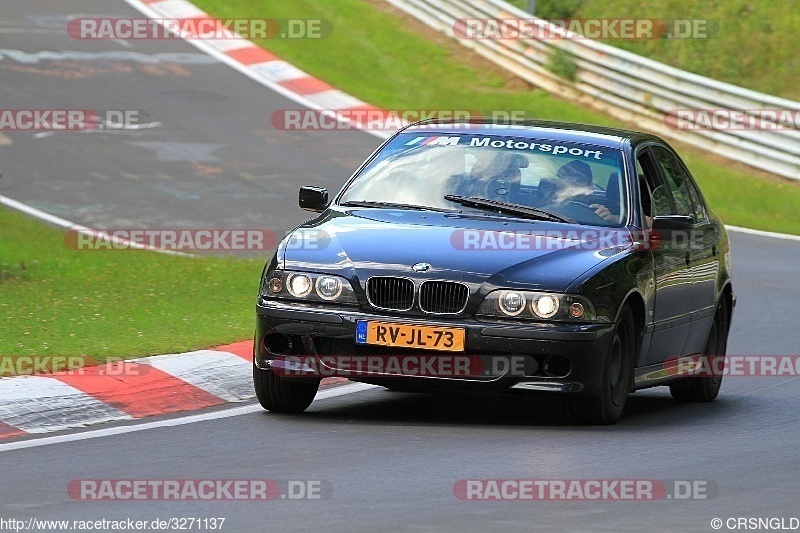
column 443, row 297
column 395, row 294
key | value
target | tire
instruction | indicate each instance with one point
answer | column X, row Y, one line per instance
column 617, row 379
column 706, row 388
column 279, row 395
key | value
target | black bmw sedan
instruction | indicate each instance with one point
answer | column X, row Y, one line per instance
column 484, row 258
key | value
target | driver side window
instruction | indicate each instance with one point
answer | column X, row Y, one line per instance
column 655, row 198
column 685, row 195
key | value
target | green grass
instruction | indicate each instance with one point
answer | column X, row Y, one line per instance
column 58, row 301
column 381, row 59
column 753, row 43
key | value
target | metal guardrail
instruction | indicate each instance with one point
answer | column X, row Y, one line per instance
column 625, row 85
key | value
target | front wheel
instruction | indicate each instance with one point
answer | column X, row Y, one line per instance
column 617, row 378
column 706, row 388
column 280, row 395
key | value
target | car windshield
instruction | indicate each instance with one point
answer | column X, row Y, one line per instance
column 576, row 182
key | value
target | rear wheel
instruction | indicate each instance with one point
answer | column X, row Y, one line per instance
column 617, row 378
column 706, row 388
column 280, row 395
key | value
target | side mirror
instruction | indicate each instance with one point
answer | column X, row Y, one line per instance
column 673, row 223
column 313, row 198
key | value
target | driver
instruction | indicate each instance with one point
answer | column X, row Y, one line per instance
column 577, row 185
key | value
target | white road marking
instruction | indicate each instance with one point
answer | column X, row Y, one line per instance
column 226, row 45
column 33, row 58
column 761, row 233
column 172, row 422
column 279, row 71
column 68, row 225
column 336, row 99
column 179, row 9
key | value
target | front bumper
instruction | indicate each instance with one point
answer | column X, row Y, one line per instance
column 310, row 342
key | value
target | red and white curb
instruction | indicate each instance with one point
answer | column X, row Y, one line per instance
column 140, row 388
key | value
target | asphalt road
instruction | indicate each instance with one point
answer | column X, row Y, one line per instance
column 391, row 459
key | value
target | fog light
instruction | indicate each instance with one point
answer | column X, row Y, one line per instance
column 299, row 285
column 545, row 306
column 511, row 303
column 576, row 310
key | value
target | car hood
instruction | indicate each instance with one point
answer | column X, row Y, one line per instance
column 472, row 249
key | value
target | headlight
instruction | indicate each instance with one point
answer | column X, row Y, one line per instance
column 299, row 285
column 307, row 286
column 537, row 305
column 329, row 287
column 545, row 306
column 511, row 303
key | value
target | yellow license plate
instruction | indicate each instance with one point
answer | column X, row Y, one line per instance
column 410, row 336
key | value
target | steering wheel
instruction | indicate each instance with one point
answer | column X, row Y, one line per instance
column 581, row 204
column 586, row 207
column 577, row 211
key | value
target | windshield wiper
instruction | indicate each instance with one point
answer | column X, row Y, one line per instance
column 391, row 205
column 512, row 209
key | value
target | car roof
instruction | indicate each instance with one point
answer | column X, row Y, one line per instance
column 537, row 129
